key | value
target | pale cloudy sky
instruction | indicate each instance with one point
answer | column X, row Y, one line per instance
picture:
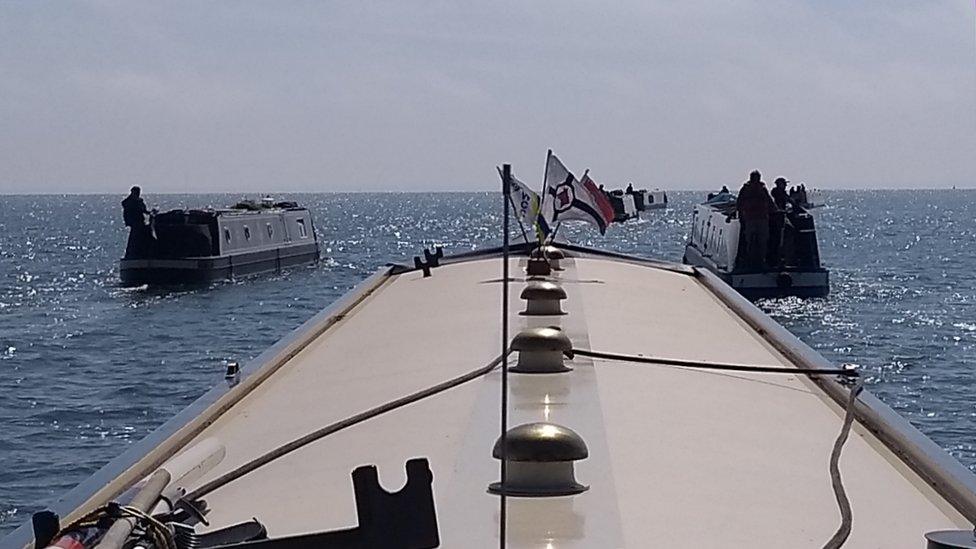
column 359, row 95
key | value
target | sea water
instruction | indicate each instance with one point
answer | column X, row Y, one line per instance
column 87, row 367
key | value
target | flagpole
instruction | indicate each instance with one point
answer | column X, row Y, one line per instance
column 511, row 202
column 552, row 237
column 545, row 175
column 502, row 504
column 545, row 185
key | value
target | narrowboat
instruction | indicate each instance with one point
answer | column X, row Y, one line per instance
column 196, row 246
column 650, row 200
column 627, row 204
column 624, row 205
column 716, row 244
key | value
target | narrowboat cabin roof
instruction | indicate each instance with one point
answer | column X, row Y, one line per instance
column 675, row 456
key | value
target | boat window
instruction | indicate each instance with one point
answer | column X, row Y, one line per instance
column 270, row 231
column 227, row 234
column 301, row 228
column 247, row 232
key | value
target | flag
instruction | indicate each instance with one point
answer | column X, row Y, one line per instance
column 525, row 202
column 567, row 199
column 527, row 206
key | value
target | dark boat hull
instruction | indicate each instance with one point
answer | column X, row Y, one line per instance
column 777, row 283
column 198, row 270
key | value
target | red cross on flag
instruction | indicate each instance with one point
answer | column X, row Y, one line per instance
column 567, row 199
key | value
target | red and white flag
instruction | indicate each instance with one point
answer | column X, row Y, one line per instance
column 567, row 199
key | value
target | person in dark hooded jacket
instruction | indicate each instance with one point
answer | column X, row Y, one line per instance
column 134, row 213
column 754, row 206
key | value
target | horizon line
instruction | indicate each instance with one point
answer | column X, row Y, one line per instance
column 441, row 191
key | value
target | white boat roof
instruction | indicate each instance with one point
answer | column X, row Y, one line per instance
column 677, row 457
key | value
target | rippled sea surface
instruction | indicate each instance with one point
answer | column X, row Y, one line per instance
column 87, row 367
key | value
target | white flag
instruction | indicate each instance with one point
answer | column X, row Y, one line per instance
column 527, row 205
column 525, row 202
column 567, row 199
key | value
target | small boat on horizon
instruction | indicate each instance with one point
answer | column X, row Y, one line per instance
column 628, row 203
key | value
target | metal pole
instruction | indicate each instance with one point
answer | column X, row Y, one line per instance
column 144, row 501
column 545, row 173
column 552, row 237
column 506, row 196
column 512, row 203
column 545, row 190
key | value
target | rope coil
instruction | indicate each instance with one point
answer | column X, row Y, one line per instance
column 161, row 535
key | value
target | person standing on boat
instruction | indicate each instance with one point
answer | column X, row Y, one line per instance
column 754, row 207
column 134, row 213
column 777, row 220
column 802, row 192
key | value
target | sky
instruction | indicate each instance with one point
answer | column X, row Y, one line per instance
column 96, row 96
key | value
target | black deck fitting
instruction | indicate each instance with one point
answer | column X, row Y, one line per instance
column 47, row 524
column 398, row 520
column 434, row 259
column 429, row 261
column 419, row 264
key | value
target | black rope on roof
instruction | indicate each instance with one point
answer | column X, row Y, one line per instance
column 333, row 428
column 704, row 365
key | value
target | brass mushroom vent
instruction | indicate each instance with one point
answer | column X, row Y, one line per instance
column 537, row 266
column 550, row 253
column 541, row 351
column 539, row 458
column 542, row 298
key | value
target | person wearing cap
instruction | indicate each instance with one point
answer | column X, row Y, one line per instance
column 754, row 207
column 780, row 197
column 777, row 220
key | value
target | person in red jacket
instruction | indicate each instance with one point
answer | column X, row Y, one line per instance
column 754, row 206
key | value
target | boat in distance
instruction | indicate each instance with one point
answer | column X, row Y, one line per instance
column 197, row 246
column 628, row 203
column 622, row 433
column 646, row 200
column 716, row 243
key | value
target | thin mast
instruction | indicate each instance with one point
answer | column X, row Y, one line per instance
column 545, row 189
column 506, row 198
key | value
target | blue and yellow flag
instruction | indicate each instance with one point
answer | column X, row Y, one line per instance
column 527, row 207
